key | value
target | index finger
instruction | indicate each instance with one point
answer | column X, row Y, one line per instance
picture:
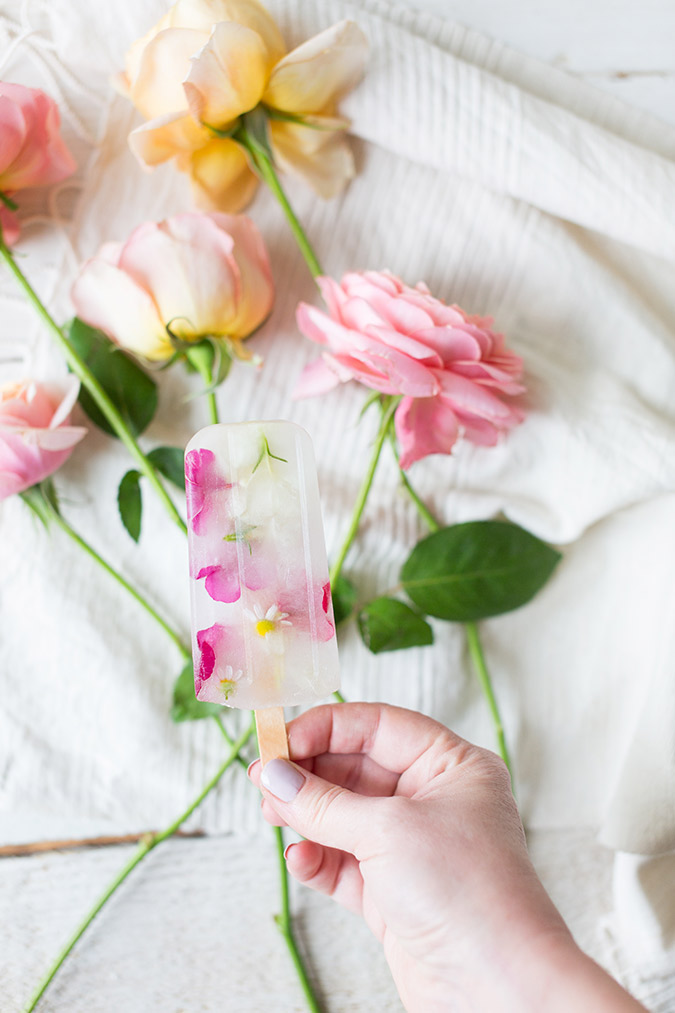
column 393, row 737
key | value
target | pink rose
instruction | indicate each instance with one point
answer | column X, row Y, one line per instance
column 198, row 274
column 32, row 152
column 35, row 437
column 450, row 369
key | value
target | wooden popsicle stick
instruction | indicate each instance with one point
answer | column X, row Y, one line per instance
column 272, row 738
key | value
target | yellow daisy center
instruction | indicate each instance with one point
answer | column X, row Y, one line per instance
column 264, row 627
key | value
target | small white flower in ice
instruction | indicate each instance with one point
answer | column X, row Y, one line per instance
column 267, row 622
column 230, row 677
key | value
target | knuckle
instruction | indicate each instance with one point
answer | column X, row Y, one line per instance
column 325, row 805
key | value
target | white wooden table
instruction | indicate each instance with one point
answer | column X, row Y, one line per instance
column 152, row 948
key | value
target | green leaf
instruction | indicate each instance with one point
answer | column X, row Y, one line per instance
column 386, row 624
column 344, row 598
column 130, row 503
column 169, row 462
column 131, row 390
column 470, row 571
column 186, row 706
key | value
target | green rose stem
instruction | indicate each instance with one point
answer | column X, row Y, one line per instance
column 284, row 921
column 285, row 925
column 8, row 202
column 388, row 408
column 40, row 498
column 478, row 658
column 84, row 374
column 473, row 638
column 265, row 168
column 147, row 844
column 202, row 357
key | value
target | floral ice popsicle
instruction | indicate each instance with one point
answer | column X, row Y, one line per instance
column 263, row 632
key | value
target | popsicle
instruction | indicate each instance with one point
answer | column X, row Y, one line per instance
column 263, row 632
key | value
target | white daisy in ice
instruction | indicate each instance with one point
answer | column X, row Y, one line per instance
column 229, row 680
column 269, row 624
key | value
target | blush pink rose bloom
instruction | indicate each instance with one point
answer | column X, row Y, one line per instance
column 32, row 151
column 35, row 432
column 198, row 274
column 452, row 371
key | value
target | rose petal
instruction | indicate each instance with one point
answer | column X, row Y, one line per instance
column 13, row 130
column 316, row 378
column 221, row 177
column 321, row 158
column 203, row 14
column 70, row 390
column 256, row 285
column 157, row 88
column 221, row 583
column 106, row 297
column 314, row 76
column 167, row 136
column 474, row 399
column 42, row 156
column 227, row 76
column 373, row 361
column 424, row 426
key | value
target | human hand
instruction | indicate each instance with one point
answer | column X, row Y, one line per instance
column 417, row 830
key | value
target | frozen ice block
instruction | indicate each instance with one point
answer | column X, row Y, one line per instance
column 263, row 632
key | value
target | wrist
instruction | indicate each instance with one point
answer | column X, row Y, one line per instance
column 552, row 973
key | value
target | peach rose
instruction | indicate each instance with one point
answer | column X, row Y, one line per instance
column 206, row 63
column 35, row 434
column 32, row 151
column 451, row 370
column 192, row 276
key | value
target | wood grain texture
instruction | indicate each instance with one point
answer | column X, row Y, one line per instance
column 272, row 737
column 192, row 931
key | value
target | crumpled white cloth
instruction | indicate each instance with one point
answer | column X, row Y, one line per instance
column 509, row 188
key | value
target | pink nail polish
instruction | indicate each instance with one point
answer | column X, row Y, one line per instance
column 282, row 779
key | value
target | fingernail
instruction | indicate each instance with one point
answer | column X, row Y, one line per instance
column 251, row 766
column 288, row 848
column 282, row 779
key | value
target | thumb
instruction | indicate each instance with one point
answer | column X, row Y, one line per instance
column 318, row 810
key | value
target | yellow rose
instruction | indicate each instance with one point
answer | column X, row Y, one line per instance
column 207, row 63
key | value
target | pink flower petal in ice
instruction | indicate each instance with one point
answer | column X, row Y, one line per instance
column 234, row 565
column 221, row 583
column 222, row 653
column 313, row 615
column 201, row 481
column 207, row 655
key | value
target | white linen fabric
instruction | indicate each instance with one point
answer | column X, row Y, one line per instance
column 511, row 189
